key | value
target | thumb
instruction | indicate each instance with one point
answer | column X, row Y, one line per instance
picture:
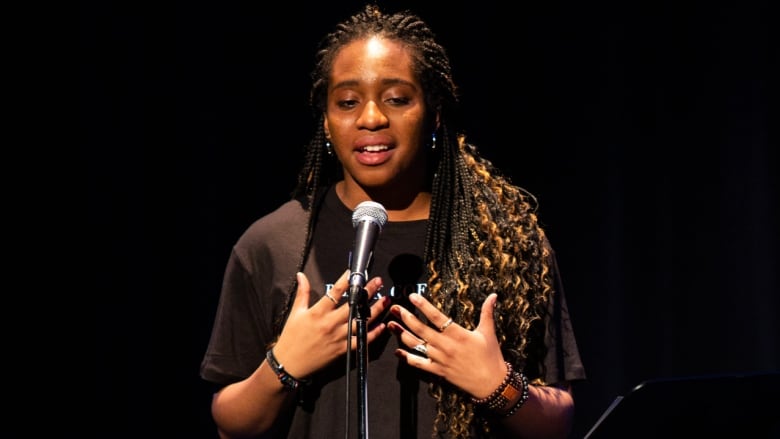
column 302, row 292
column 487, row 324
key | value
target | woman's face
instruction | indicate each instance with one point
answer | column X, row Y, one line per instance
column 375, row 117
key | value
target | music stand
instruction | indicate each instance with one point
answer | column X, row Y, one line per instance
column 743, row 406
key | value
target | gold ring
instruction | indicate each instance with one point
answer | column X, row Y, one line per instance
column 444, row 326
column 331, row 298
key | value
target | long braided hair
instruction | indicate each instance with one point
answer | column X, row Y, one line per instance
column 483, row 235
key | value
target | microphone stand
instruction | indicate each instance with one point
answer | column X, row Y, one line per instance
column 363, row 312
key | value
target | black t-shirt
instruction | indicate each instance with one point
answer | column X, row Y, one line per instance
column 258, row 276
column 397, row 393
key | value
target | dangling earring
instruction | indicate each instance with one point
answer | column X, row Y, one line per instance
column 328, row 147
column 433, row 140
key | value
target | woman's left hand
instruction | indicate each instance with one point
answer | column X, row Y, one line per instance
column 470, row 360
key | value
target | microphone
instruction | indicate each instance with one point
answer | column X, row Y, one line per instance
column 368, row 218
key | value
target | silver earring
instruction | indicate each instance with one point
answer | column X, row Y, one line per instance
column 433, row 141
column 328, row 147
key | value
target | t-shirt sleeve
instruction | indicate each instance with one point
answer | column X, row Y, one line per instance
column 256, row 286
column 562, row 360
column 240, row 332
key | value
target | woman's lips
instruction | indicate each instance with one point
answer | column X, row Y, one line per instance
column 373, row 156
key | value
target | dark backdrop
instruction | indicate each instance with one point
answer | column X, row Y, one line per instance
column 642, row 127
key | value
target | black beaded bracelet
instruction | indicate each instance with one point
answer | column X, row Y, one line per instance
column 523, row 396
column 287, row 380
column 493, row 399
column 514, row 383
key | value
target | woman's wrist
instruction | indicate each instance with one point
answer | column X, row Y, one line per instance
column 288, row 381
column 519, row 383
column 509, row 396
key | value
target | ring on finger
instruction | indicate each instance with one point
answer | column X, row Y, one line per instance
column 445, row 325
column 331, row 298
column 421, row 348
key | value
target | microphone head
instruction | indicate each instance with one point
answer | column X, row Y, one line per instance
column 369, row 211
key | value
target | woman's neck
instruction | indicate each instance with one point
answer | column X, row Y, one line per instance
column 400, row 205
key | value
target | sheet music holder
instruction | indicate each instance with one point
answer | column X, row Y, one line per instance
column 743, row 406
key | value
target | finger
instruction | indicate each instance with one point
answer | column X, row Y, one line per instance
column 380, row 305
column 373, row 286
column 436, row 317
column 341, row 282
column 302, row 292
column 486, row 319
column 418, row 329
column 375, row 332
column 413, row 357
column 416, row 360
column 406, row 337
column 333, row 297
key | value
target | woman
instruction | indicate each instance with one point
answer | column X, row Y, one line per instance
column 468, row 334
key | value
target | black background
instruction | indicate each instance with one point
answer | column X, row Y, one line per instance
column 642, row 127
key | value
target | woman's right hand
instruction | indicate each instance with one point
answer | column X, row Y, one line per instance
column 314, row 336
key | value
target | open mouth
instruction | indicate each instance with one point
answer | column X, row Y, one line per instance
column 374, row 148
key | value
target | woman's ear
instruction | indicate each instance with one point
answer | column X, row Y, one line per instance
column 325, row 126
column 433, row 122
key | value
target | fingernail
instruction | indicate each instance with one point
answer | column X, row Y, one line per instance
column 394, row 327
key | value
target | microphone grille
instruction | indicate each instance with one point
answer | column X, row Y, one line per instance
column 371, row 211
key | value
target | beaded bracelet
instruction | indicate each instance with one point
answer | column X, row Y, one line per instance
column 523, row 397
column 514, row 383
column 490, row 399
column 287, row 380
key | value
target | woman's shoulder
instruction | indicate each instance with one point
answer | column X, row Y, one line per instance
column 277, row 227
column 291, row 211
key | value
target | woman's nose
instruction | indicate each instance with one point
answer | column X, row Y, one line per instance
column 372, row 117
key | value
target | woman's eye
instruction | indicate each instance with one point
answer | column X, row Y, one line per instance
column 347, row 103
column 398, row 101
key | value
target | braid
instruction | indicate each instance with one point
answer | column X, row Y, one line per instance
column 309, row 179
column 483, row 236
